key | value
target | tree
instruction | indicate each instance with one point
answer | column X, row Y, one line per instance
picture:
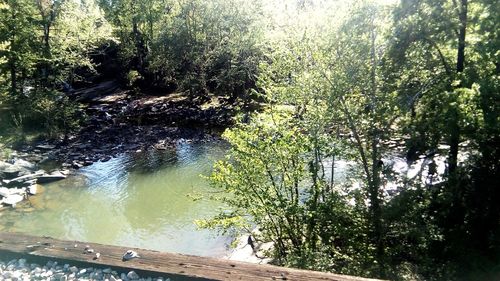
column 332, row 88
column 450, row 105
column 19, row 47
column 43, row 43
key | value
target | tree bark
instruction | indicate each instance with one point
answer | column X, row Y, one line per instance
column 454, row 126
column 12, row 59
column 461, row 36
column 13, row 78
column 374, row 186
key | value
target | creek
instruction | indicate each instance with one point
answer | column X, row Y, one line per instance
column 142, row 199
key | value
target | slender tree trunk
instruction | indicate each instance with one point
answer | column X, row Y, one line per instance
column 12, row 59
column 375, row 202
column 13, row 78
column 461, row 36
column 376, row 208
column 454, row 126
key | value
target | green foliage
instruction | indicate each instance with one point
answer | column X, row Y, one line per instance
column 208, row 46
column 269, row 181
column 372, row 79
column 200, row 46
column 57, row 115
column 33, row 71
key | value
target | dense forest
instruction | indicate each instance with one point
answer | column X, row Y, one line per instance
column 314, row 84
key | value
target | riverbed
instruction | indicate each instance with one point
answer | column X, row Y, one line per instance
column 141, row 199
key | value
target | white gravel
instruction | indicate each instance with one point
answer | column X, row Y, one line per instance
column 21, row 270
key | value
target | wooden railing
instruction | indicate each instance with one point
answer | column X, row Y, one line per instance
column 152, row 263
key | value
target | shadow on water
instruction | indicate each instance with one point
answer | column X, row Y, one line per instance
column 138, row 200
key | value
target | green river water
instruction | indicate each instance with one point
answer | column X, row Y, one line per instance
column 137, row 200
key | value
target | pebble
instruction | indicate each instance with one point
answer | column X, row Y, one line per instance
column 21, row 270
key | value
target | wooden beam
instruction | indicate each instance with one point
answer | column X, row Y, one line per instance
column 153, row 263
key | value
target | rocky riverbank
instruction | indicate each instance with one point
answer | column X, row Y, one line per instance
column 118, row 121
column 21, row 270
column 121, row 121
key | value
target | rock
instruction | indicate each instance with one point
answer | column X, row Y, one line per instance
column 12, row 199
column 102, row 89
column 132, row 275
column 58, row 276
column 105, row 158
column 32, row 190
column 65, row 172
column 11, row 191
column 19, row 181
column 11, row 172
column 55, row 176
column 45, row 147
column 18, row 168
column 21, row 263
column 24, row 164
column 82, row 272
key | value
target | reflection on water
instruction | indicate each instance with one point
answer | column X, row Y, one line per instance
column 138, row 200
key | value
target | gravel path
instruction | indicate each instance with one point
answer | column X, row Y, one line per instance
column 21, row 270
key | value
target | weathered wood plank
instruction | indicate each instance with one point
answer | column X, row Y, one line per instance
column 155, row 262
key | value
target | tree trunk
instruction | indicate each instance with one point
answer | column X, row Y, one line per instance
column 13, row 78
column 12, row 59
column 455, row 128
column 376, row 208
column 375, row 202
column 461, row 36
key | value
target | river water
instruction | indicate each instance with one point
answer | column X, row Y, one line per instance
column 142, row 199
